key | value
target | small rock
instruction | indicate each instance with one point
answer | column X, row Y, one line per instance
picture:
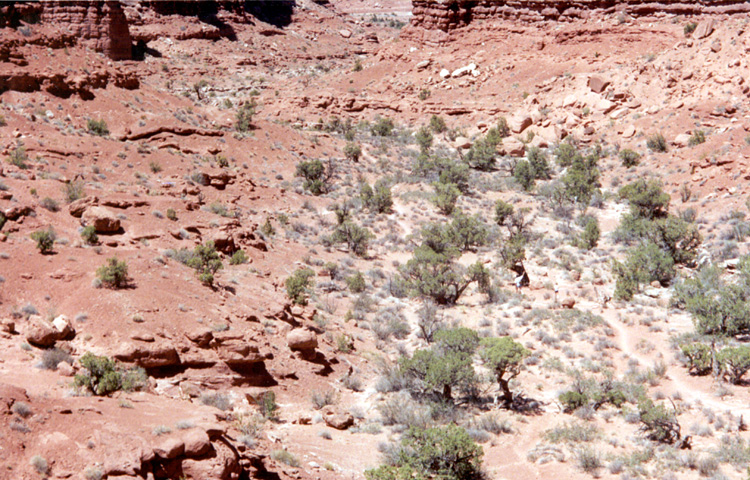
column 629, row 131
column 682, row 140
column 445, row 73
column 345, row 33
column 568, row 303
column 7, row 325
column 597, row 84
column 462, row 142
column 40, row 333
column 65, row 369
column 340, row 421
column 423, row 64
column 302, row 339
column 704, row 29
column 520, row 123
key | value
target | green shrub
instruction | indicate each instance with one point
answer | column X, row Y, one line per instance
column 102, row 376
column 286, row 457
column 646, row 198
column 383, row 127
column 467, row 232
column 589, row 237
column 658, row 423
column 424, row 139
column 689, row 28
column 268, row 405
column 114, row 273
column 446, row 453
column 357, row 65
column 97, row 127
column 239, row 257
column 352, row 151
column 581, row 180
column 298, row 284
column 502, row 127
column 357, row 238
column 19, row 158
column 88, row 234
column 573, row 400
column 45, row 240
column 2, row 221
column 629, row 158
column 244, row 118
column 437, row 124
column 699, row 358
column 734, row 362
column 718, row 307
column 698, row 137
column 314, row 174
column 50, row 204
column 446, row 196
column 483, row 154
column 206, row 262
column 565, row 153
column 538, row 163
column 171, row 214
column 356, row 283
column 657, row 143
column 73, row 191
column 504, row 358
column 378, row 200
column 523, row 173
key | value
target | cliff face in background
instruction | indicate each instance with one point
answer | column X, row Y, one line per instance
column 446, row 15
column 103, row 24
column 106, row 26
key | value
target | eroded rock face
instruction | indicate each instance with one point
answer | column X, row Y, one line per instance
column 448, row 15
column 103, row 24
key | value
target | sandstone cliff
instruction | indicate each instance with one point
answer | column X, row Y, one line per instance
column 446, row 15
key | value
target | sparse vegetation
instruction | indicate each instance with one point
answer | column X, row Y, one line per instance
column 114, row 273
column 45, row 240
column 299, row 284
column 97, row 127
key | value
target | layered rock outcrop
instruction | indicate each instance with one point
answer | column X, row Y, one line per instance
column 102, row 25
column 447, row 15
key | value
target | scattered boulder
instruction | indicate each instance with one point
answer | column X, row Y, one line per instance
column 7, row 325
column 201, row 336
column 704, row 29
column 628, row 132
column 468, row 69
column 224, row 242
column 77, row 208
column 64, row 328
column 568, row 303
column 423, row 64
column 196, row 442
column 513, row 147
column 302, row 339
column 462, row 142
column 40, row 333
column 345, row 33
column 597, row 84
column 445, row 73
column 65, row 369
column 520, row 123
column 682, row 140
column 339, row 421
column 103, row 220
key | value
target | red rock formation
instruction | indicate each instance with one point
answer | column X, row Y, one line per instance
column 447, row 15
column 103, row 24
